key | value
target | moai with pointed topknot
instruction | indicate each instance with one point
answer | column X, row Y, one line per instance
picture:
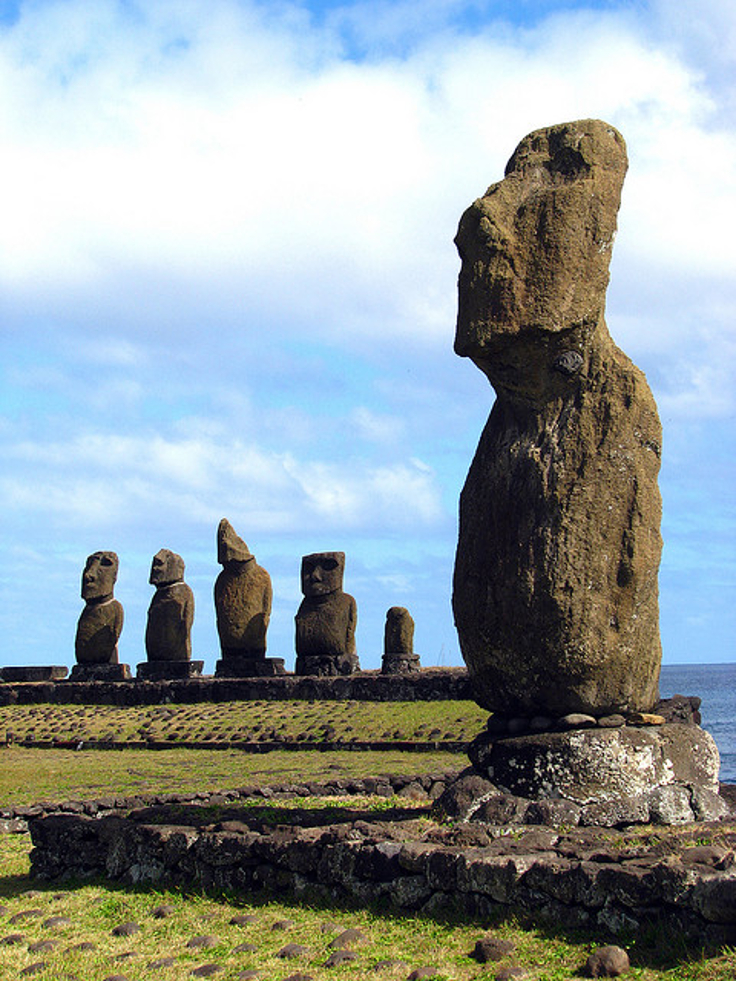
column 100, row 624
column 326, row 618
column 169, row 625
column 243, row 596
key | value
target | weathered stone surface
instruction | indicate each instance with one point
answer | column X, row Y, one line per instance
column 607, row 962
column 171, row 613
column 555, row 585
column 398, row 643
column 168, row 670
column 101, row 622
column 243, row 596
column 34, row 672
column 665, row 774
column 326, row 618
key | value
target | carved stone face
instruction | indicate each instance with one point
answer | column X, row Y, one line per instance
column 230, row 546
column 100, row 573
column 322, row 573
column 167, row 567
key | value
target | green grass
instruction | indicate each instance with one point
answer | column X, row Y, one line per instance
column 31, row 775
column 245, row 721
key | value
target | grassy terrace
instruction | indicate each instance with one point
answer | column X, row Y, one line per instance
column 82, row 943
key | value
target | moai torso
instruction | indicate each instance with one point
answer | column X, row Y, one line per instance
column 171, row 613
column 243, row 596
column 101, row 622
column 326, row 618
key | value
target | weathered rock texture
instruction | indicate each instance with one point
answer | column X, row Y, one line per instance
column 555, row 586
column 101, row 621
column 326, row 618
column 398, row 643
column 171, row 613
column 243, row 596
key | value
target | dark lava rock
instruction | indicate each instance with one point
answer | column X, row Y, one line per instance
column 33, row 968
column 56, row 921
column 26, row 914
column 423, row 972
column 509, row 973
column 245, row 949
column 12, row 938
column 206, row 970
column 42, row 946
column 243, row 919
column 161, row 912
column 204, row 941
column 291, row 951
column 299, row 977
column 282, row 925
column 338, row 957
column 125, row 929
column 84, row 945
column 161, row 962
column 250, row 975
column 392, row 966
column 607, row 962
column 347, row 937
column 491, row 948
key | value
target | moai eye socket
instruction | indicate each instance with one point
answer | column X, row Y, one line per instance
column 329, row 564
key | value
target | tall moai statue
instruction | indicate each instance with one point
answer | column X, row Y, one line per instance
column 100, row 624
column 169, row 623
column 243, row 596
column 398, row 643
column 326, row 618
column 555, row 583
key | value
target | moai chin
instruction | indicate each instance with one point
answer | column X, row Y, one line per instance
column 326, row 618
column 398, row 643
column 101, row 621
column 171, row 613
column 243, row 596
column 555, row 584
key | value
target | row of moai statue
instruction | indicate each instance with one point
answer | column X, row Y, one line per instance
column 325, row 621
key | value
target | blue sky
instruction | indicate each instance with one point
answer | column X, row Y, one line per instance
column 227, row 289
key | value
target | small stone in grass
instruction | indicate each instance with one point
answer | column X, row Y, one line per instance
column 299, row 977
column 33, row 968
column 25, row 914
column 490, row 948
column 330, row 927
column 162, row 962
column 84, row 945
column 282, row 925
column 243, row 919
column 250, row 975
column 423, row 972
column 245, row 949
column 42, row 946
column 338, row 957
column 206, row 970
column 351, row 936
column 205, row 940
column 55, row 921
column 292, row 950
column 125, row 929
column 607, row 962
column 126, row 955
column 511, row 973
column 12, row 938
column 393, row 966
column 161, row 912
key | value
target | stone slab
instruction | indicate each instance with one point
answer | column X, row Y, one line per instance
column 171, row 670
column 34, row 672
column 100, row 672
column 249, row 667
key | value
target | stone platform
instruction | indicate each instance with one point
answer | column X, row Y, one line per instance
column 250, row 667
column 100, row 672
column 615, row 882
column 168, row 670
column 34, row 672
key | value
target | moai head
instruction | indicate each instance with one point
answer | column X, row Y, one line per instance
column 98, row 578
column 322, row 573
column 535, row 253
column 398, row 635
column 167, row 568
column 231, row 549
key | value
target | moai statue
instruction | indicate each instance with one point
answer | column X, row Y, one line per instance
column 243, row 597
column 326, row 618
column 398, row 643
column 170, row 618
column 100, row 624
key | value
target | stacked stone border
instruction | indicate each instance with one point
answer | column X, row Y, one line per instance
column 429, row 684
column 612, row 882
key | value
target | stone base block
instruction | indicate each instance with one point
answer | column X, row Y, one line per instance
column 168, row 670
column 400, row 664
column 34, row 672
column 249, row 667
column 326, row 664
column 100, row 672
column 665, row 774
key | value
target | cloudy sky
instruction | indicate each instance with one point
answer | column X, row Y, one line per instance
column 227, row 289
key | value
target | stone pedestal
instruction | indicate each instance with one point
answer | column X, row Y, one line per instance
column 168, row 670
column 400, row 664
column 249, row 667
column 665, row 774
column 326, row 664
column 34, row 672
column 100, row 672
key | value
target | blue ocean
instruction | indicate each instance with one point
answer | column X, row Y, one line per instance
column 716, row 685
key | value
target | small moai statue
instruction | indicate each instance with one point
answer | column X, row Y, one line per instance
column 398, row 643
column 243, row 596
column 170, row 618
column 100, row 624
column 326, row 618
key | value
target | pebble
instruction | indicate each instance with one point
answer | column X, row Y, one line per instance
column 282, row 925
column 423, row 972
column 26, row 914
column 55, row 921
column 338, row 957
column 42, row 946
column 206, row 970
column 125, row 929
column 162, row 962
column 350, row 936
column 394, row 966
column 161, row 912
column 607, row 962
column 291, row 951
column 35, row 968
column 12, row 938
column 204, row 941
column 491, row 948
column 243, row 919
column 245, row 949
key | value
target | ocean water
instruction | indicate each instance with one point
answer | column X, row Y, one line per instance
column 716, row 685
